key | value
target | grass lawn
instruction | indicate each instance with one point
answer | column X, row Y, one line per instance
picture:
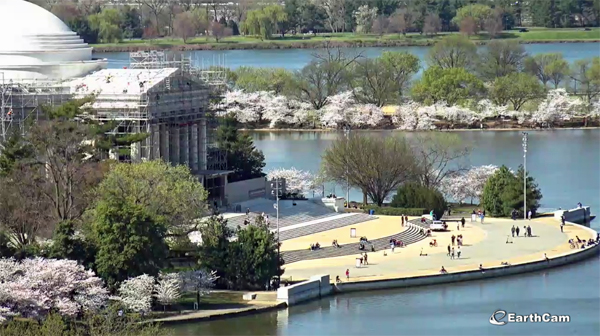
column 463, row 209
column 534, row 34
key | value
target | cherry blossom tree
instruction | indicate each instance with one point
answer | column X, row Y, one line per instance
column 34, row 287
column 414, row 116
column 136, row 293
column 468, row 185
column 557, row 106
column 297, row 181
column 199, row 281
column 167, row 288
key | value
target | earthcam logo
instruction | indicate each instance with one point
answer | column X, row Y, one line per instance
column 501, row 317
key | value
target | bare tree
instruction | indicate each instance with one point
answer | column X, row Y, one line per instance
column 439, row 155
column 150, row 32
column 401, row 21
column 241, row 7
column 185, row 25
column 432, row 24
column 336, row 11
column 376, row 165
column 66, row 11
column 468, row 26
column 218, row 31
column 323, row 77
column 155, row 7
column 380, row 25
column 493, row 24
column 172, row 9
column 88, row 7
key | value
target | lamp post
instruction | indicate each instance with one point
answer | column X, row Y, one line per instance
column 277, row 183
column 347, row 135
column 525, row 175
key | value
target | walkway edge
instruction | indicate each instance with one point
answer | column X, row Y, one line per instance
column 490, row 272
column 183, row 319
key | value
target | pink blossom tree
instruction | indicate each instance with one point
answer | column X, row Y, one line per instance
column 34, row 287
column 297, row 181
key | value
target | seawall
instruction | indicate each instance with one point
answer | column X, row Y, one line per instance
column 578, row 215
column 318, row 286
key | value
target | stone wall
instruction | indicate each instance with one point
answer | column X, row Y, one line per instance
column 242, row 191
column 577, row 215
column 314, row 288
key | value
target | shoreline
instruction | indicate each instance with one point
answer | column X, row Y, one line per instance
column 327, row 130
column 98, row 48
column 419, row 279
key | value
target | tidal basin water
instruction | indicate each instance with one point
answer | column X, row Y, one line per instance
column 297, row 58
column 565, row 163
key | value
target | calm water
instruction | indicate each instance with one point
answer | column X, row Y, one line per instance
column 297, row 58
column 566, row 164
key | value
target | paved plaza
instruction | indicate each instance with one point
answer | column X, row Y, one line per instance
column 485, row 244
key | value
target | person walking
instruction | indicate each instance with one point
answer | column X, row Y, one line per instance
column 462, row 222
column 448, row 250
column 452, row 254
column 366, row 260
column 402, row 219
column 529, row 231
column 482, row 217
column 517, row 231
column 347, row 274
column 513, row 231
column 458, row 252
column 392, row 246
column 529, row 214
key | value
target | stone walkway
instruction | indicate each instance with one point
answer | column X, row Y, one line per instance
column 409, row 236
column 484, row 244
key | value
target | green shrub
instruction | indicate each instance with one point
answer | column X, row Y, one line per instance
column 414, row 195
column 390, row 211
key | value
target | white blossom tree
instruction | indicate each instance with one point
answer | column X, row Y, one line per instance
column 167, row 288
column 468, row 185
column 558, row 106
column 296, row 180
column 34, row 287
column 343, row 110
column 136, row 293
column 199, row 281
column 414, row 116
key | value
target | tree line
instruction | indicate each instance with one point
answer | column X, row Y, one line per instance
column 96, row 22
column 62, row 199
column 457, row 73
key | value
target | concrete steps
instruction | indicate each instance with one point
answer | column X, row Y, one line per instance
column 411, row 235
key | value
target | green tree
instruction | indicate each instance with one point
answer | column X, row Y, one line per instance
column 382, row 80
column 546, row 66
column 501, row 58
column 214, row 251
column 454, row 51
column 108, row 25
column 66, row 245
column 325, row 76
column 12, row 151
column 130, row 240
column 452, row 85
column 312, row 17
column 478, row 12
column 131, row 23
column 503, row 192
column 512, row 196
column 516, row 88
column 414, row 195
column 243, row 158
column 494, row 189
column 254, row 257
column 265, row 22
column 171, row 195
column 252, row 79
column 375, row 165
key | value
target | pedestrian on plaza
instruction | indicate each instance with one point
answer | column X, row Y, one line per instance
column 482, row 217
column 517, row 231
column 453, row 239
column 529, row 231
column 452, row 254
column 448, row 250
column 366, row 261
column 347, row 274
column 513, row 231
column 462, row 221
column 529, row 214
column 458, row 252
column 402, row 219
column 392, row 246
column 458, row 227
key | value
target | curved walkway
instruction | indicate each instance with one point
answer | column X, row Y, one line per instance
column 409, row 236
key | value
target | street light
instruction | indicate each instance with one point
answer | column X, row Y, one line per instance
column 347, row 135
column 525, row 175
column 278, row 190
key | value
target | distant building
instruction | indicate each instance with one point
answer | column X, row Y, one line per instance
column 43, row 62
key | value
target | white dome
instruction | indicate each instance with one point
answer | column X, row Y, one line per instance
column 35, row 44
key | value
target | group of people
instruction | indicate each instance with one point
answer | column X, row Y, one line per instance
column 404, row 219
column 264, row 216
column 396, row 243
column 452, row 252
column 583, row 243
column 526, row 231
column 477, row 214
column 458, row 239
column 315, row 246
column 335, row 243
